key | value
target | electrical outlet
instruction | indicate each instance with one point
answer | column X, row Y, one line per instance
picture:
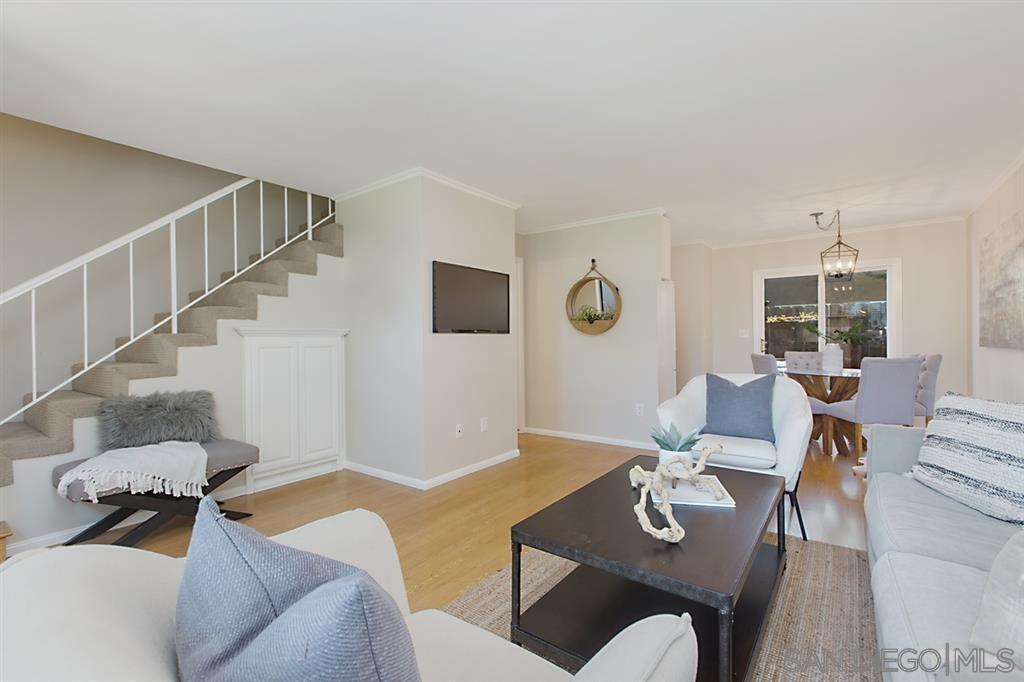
column 483, row 424
column 639, row 409
column 458, row 430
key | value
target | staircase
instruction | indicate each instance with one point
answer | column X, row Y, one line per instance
column 47, row 428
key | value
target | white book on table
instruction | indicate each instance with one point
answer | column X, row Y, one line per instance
column 708, row 492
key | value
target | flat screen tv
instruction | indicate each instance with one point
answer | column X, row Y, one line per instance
column 469, row 300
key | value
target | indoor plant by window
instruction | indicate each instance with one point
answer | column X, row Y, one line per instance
column 836, row 339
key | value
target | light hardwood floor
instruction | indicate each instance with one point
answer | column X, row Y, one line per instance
column 452, row 536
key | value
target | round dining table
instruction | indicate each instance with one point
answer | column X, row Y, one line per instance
column 829, row 386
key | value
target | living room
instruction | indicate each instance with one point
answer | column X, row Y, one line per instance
column 618, row 341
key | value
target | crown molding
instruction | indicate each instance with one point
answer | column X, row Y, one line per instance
column 421, row 172
column 595, row 221
column 715, row 246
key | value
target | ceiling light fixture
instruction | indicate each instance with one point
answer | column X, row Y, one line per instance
column 839, row 261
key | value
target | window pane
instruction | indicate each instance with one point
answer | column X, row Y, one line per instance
column 789, row 304
column 861, row 301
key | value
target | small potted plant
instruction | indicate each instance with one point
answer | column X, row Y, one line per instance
column 671, row 442
column 851, row 338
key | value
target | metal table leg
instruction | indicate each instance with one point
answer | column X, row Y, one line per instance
column 517, row 551
column 725, row 644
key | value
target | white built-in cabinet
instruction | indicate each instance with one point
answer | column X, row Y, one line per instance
column 294, row 403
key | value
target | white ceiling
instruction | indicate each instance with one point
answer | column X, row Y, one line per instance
column 739, row 119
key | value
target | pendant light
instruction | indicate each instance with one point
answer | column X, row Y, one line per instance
column 839, row 261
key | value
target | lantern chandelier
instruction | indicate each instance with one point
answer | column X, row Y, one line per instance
column 839, row 261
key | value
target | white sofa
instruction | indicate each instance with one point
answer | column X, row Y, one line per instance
column 929, row 555
column 100, row 612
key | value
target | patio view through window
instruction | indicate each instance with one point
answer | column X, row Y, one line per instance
column 797, row 307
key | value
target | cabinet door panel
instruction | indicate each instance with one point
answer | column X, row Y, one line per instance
column 274, row 417
column 319, row 395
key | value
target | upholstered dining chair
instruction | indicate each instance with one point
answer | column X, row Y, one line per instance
column 887, row 394
column 764, row 364
column 926, row 380
column 791, row 422
column 806, row 361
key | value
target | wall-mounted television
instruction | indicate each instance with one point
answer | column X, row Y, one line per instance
column 470, row 300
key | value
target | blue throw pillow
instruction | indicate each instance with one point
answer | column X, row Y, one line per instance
column 743, row 411
column 252, row 609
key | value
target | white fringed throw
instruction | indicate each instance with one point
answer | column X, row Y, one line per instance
column 173, row 467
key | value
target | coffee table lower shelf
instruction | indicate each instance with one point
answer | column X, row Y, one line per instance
column 587, row 608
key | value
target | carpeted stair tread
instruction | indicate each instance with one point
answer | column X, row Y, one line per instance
column 47, row 428
column 238, row 290
column 52, row 416
column 21, row 441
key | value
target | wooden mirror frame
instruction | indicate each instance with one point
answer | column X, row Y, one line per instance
column 597, row 326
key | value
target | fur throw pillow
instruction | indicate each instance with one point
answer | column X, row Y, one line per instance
column 133, row 420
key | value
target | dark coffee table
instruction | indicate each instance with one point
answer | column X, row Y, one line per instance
column 723, row 572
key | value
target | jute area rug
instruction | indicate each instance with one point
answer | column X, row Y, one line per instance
column 822, row 625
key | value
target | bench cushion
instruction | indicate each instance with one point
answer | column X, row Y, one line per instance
column 904, row 515
column 221, row 454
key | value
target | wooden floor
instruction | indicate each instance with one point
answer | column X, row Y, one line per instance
column 452, row 536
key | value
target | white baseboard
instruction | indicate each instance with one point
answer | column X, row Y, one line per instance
column 427, row 484
column 640, row 445
column 400, row 479
column 463, row 471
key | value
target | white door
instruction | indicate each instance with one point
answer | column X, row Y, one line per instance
column 793, row 306
column 666, row 340
column 519, row 309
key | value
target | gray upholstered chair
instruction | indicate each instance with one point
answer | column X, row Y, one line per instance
column 926, row 380
column 887, row 395
column 805, row 361
column 765, row 364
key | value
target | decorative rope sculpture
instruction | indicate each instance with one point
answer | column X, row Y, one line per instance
column 661, row 480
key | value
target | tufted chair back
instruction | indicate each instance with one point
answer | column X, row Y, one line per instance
column 926, row 380
column 802, row 361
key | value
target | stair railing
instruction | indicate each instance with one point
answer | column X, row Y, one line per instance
column 168, row 221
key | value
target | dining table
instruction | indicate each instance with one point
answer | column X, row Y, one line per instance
column 829, row 386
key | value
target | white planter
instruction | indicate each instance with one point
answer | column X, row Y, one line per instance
column 832, row 357
column 663, row 456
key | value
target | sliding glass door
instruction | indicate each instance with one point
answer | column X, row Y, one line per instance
column 792, row 306
column 790, row 314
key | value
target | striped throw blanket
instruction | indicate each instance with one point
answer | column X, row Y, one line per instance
column 973, row 452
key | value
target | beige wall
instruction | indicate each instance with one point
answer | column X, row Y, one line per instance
column 63, row 194
column 383, row 298
column 935, row 286
column 409, row 387
column 996, row 372
column 590, row 385
column 467, row 376
column 691, row 272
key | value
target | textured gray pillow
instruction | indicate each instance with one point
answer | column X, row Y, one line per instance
column 132, row 420
column 252, row 609
column 743, row 411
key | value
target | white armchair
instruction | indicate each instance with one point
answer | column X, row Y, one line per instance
column 101, row 612
column 791, row 421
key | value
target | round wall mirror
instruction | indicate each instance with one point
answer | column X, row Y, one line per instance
column 593, row 305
